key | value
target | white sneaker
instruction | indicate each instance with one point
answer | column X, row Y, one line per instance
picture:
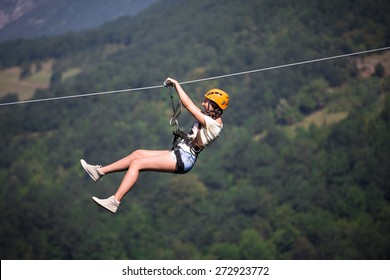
column 109, row 203
column 92, row 170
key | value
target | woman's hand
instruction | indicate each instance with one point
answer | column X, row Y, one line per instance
column 186, row 101
column 170, row 81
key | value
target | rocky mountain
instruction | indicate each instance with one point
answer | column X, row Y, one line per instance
column 33, row 18
column 11, row 10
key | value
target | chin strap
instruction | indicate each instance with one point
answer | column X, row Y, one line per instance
column 215, row 113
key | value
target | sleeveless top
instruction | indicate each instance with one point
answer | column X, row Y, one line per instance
column 203, row 136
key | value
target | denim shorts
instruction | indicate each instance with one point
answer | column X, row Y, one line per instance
column 187, row 157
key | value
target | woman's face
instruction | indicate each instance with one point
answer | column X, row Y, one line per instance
column 207, row 105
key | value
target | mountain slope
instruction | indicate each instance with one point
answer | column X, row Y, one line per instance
column 11, row 10
column 28, row 19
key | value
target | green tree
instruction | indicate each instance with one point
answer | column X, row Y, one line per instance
column 253, row 247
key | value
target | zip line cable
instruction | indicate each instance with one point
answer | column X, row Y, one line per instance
column 285, row 65
column 197, row 80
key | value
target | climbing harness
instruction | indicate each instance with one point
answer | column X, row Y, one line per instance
column 176, row 113
column 179, row 136
column 178, row 133
column 176, row 109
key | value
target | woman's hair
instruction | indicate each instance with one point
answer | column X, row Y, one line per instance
column 216, row 112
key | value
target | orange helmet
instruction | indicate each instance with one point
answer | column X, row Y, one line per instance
column 218, row 96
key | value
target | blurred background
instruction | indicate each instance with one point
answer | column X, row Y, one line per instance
column 301, row 170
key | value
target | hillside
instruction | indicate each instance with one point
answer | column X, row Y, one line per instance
column 35, row 18
column 299, row 172
column 11, row 10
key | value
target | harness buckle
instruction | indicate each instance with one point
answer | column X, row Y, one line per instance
column 196, row 150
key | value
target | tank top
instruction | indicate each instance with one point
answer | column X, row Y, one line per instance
column 204, row 136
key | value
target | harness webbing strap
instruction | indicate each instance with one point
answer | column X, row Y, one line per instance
column 179, row 162
column 176, row 135
column 176, row 110
column 179, row 134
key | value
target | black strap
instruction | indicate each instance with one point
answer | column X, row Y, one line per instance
column 176, row 110
column 179, row 133
column 176, row 135
column 179, row 162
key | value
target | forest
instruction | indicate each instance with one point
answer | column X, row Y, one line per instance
column 300, row 171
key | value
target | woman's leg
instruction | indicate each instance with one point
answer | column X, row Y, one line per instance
column 140, row 160
column 161, row 161
column 124, row 163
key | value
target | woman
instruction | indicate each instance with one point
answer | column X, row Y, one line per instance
column 180, row 159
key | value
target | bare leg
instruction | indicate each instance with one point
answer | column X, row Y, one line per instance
column 138, row 161
column 124, row 163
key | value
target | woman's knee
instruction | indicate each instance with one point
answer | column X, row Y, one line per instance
column 137, row 153
column 137, row 165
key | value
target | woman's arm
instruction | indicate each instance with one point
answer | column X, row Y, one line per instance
column 187, row 102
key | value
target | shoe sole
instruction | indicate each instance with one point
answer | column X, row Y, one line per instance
column 96, row 200
column 83, row 164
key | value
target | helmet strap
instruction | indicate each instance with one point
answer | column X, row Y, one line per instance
column 215, row 113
